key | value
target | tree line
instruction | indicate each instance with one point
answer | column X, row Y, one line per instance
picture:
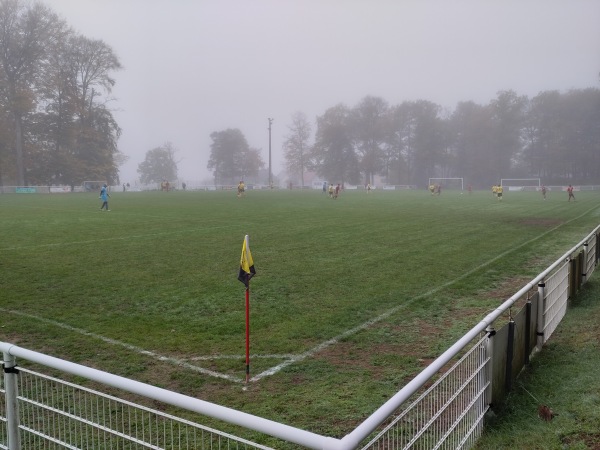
column 554, row 136
column 55, row 84
column 56, row 126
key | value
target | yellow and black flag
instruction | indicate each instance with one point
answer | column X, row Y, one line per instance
column 246, row 264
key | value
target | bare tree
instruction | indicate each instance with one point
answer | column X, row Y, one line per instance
column 296, row 145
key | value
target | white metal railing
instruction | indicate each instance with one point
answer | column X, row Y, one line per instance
column 248, row 421
column 442, row 407
column 54, row 411
column 590, row 252
column 556, row 296
column 57, row 414
column 443, row 416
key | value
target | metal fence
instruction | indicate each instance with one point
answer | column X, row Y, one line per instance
column 441, row 408
column 54, row 414
column 449, row 414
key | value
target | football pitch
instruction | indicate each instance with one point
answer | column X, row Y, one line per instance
column 352, row 296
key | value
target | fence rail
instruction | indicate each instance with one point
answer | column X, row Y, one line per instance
column 442, row 407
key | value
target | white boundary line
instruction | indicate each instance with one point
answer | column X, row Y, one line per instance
column 290, row 359
column 141, row 351
column 389, row 312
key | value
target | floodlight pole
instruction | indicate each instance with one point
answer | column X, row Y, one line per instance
column 270, row 171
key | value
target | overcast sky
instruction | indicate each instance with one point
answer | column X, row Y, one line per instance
column 192, row 67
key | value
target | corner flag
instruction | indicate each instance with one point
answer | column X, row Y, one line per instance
column 246, row 264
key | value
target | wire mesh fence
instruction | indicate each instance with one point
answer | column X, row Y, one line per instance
column 556, row 297
column 54, row 414
column 447, row 415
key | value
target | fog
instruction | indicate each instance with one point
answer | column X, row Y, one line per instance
column 192, row 67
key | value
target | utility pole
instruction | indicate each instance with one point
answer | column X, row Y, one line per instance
column 270, row 171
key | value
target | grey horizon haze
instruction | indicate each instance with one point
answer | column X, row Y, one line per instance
column 192, row 67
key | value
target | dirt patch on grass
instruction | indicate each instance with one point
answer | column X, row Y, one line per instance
column 393, row 351
column 590, row 440
column 509, row 287
column 406, row 348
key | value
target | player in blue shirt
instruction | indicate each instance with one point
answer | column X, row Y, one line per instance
column 104, row 196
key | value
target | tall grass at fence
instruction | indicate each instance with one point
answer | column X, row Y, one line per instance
column 562, row 377
column 362, row 292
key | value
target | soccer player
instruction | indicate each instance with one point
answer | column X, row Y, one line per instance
column 570, row 191
column 499, row 190
column 241, row 189
column 104, row 196
column 544, row 191
column 330, row 190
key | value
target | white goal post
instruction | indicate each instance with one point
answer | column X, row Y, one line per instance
column 448, row 183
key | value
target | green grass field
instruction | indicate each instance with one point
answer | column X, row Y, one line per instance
column 352, row 296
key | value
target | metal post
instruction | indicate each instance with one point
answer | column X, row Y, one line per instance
column 509, row 356
column 540, row 314
column 270, row 171
column 489, row 373
column 584, row 269
column 12, row 405
column 528, row 308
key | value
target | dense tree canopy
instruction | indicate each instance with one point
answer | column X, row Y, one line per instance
column 55, row 127
column 334, row 156
column 231, row 158
column 554, row 136
column 159, row 165
column 369, row 125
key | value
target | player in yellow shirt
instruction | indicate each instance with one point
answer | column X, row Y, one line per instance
column 499, row 190
column 241, row 189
